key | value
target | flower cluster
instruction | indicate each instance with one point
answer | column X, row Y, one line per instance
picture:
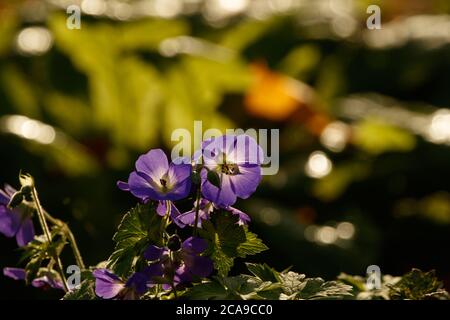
column 161, row 261
column 178, row 263
column 229, row 168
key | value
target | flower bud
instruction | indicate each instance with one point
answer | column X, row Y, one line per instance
column 26, row 192
column 196, row 179
column 174, row 243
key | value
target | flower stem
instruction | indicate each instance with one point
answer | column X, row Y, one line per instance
column 46, row 230
column 70, row 236
column 174, row 291
column 41, row 216
column 171, row 257
column 165, row 219
column 197, row 209
column 59, row 266
column 64, row 227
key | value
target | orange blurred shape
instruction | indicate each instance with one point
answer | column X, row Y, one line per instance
column 305, row 215
column 272, row 95
column 317, row 123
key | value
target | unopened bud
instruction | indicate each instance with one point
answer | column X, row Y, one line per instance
column 174, row 243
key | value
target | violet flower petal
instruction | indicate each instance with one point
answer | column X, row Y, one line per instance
column 138, row 282
column 14, row 273
column 153, row 253
column 200, row 266
column 124, row 186
column 4, row 198
column 182, row 275
column 107, row 284
column 9, row 221
column 246, row 151
column 246, row 182
column 154, row 163
column 45, row 281
column 223, row 196
column 194, row 245
column 25, row 234
column 153, row 270
column 142, row 188
column 243, row 217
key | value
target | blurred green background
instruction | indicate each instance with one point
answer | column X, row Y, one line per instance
column 363, row 115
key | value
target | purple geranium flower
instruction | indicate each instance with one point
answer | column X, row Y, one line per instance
column 14, row 222
column 205, row 209
column 237, row 160
column 110, row 286
column 156, row 179
column 45, row 280
column 178, row 262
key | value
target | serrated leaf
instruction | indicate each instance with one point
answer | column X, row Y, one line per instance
column 139, row 227
column 418, row 285
column 252, row 245
column 297, row 286
column 32, row 267
column 228, row 240
column 242, row 287
column 292, row 282
column 207, row 291
column 38, row 251
column 86, row 291
column 362, row 292
column 256, row 289
column 222, row 262
column 317, row 288
column 263, row 272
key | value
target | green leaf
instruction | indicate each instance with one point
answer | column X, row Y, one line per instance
column 292, row 282
column 139, row 227
column 252, row 245
column 86, row 291
column 228, row 240
column 222, row 262
column 357, row 282
column 297, row 287
column 213, row 290
column 418, row 285
column 256, row 289
column 362, row 292
column 317, row 288
column 38, row 251
column 263, row 272
column 32, row 267
column 242, row 287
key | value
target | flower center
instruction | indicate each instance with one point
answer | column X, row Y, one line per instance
column 165, row 185
column 229, row 169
